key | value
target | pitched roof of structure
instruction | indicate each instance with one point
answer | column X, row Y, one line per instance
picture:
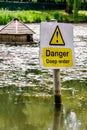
column 16, row 27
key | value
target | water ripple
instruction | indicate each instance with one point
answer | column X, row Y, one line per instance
column 19, row 65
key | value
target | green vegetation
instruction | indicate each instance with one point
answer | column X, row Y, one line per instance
column 76, row 7
column 38, row 16
column 20, row 10
column 24, row 16
column 73, row 7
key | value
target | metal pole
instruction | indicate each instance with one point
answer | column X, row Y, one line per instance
column 57, row 87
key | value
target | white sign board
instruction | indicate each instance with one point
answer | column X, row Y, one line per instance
column 56, row 45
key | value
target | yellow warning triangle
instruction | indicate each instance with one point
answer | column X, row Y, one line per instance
column 57, row 38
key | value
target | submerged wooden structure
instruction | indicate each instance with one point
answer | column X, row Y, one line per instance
column 16, row 32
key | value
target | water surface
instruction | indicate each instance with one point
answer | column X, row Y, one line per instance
column 26, row 90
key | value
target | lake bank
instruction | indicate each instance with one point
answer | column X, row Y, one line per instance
column 33, row 16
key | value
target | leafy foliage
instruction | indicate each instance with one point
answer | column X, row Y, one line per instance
column 38, row 16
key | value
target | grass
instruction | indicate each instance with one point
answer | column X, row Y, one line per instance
column 30, row 16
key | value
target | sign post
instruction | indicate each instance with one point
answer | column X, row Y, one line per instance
column 57, row 87
column 56, row 51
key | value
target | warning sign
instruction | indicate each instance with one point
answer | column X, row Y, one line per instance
column 58, row 57
column 57, row 38
column 56, row 45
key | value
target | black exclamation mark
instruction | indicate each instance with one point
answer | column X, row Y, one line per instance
column 57, row 36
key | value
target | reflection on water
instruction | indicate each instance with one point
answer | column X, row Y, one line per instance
column 33, row 114
column 57, row 118
column 18, row 112
column 26, row 101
